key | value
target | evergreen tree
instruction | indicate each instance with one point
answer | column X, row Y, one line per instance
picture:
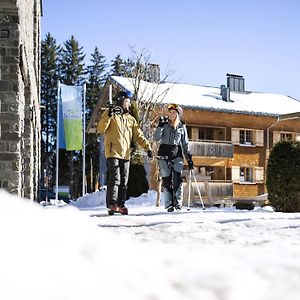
column 96, row 78
column 72, row 63
column 72, row 72
column 283, row 177
column 118, row 66
column 49, row 80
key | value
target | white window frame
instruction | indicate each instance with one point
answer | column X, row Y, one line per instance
column 257, row 137
column 283, row 135
column 257, row 175
column 248, row 174
column 277, row 136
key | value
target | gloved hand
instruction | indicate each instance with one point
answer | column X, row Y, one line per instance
column 190, row 161
column 150, row 154
column 110, row 110
column 162, row 121
column 118, row 110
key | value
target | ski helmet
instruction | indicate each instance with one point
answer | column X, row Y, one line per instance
column 123, row 95
column 175, row 107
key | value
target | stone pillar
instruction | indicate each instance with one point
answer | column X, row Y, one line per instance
column 19, row 96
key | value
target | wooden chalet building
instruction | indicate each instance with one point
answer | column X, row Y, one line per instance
column 231, row 132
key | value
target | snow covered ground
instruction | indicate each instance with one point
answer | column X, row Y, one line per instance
column 79, row 252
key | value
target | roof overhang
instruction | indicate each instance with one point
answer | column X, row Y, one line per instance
column 291, row 116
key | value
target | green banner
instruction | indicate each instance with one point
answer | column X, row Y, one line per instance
column 73, row 134
column 71, row 99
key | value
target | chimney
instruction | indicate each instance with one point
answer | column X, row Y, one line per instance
column 235, row 83
column 153, row 73
column 225, row 93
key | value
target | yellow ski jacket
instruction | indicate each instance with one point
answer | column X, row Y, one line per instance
column 120, row 130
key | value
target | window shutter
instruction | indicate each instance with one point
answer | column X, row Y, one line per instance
column 235, row 136
column 195, row 133
column 259, row 174
column 235, row 174
column 276, row 137
column 259, row 138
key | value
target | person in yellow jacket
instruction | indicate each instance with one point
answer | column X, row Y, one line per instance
column 120, row 129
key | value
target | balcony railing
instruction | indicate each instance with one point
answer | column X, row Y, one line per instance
column 211, row 192
column 211, row 148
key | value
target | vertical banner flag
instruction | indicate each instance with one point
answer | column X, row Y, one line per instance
column 71, row 117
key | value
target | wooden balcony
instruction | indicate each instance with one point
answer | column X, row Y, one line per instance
column 212, row 192
column 219, row 149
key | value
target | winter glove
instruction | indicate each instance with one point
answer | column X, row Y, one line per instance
column 162, row 121
column 118, row 110
column 110, row 110
column 150, row 154
column 190, row 161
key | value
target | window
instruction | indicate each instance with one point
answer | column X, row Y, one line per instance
column 189, row 131
column 246, row 174
column 284, row 136
column 246, row 137
column 211, row 133
column 205, row 134
column 250, row 137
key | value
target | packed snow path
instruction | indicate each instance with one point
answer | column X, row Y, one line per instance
column 67, row 253
column 219, row 226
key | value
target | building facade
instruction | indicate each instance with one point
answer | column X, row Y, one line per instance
column 233, row 150
column 231, row 132
column 19, row 96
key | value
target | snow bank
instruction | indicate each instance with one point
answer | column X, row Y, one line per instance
column 45, row 253
column 63, row 253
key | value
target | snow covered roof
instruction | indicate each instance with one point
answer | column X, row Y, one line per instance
column 209, row 98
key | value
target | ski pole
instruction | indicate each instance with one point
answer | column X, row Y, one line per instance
column 189, row 194
column 199, row 193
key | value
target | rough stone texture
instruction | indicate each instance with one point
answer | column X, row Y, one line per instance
column 19, row 96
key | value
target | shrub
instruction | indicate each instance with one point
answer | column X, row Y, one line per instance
column 137, row 181
column 283, row 177
column 244, row 205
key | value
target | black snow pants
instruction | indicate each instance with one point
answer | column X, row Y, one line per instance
column 118, row 173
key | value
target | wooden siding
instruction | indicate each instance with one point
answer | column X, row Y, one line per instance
column 216, row 153
column 211, row 148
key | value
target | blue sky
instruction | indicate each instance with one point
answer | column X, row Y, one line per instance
column 195, row 40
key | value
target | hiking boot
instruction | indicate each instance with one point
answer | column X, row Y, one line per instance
column 122, row 210
column 170, row 208
column 112, row 209
column 178, row 206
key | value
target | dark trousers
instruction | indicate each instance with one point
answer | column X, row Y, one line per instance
column 118, row 173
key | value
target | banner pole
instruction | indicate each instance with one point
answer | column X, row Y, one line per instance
column 57, row 140
column 83, row 148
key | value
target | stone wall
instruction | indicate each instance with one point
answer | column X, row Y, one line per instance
column 19, row 96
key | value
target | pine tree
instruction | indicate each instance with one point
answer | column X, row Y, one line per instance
column 49, row 80
column 72, row 63
column 283, row 177
column 96, row 78
column 72, row 72
column 117, row 66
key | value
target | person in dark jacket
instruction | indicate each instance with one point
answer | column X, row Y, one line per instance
column 173, row 138
column 120, row 129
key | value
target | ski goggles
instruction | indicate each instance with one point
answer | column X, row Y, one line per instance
column 173, row 106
